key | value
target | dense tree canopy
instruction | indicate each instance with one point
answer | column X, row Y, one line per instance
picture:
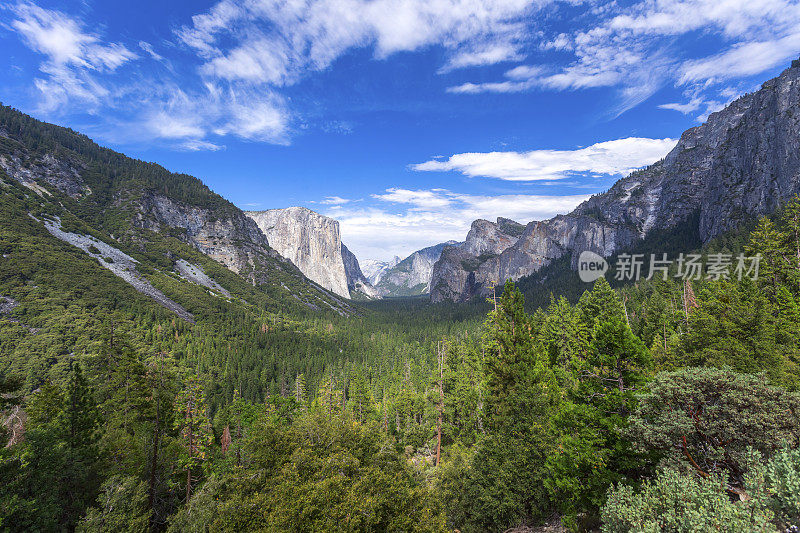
column 666, row 405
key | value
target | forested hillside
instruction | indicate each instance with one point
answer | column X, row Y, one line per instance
column 157, row 375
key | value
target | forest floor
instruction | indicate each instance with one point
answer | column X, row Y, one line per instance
column 552, row 526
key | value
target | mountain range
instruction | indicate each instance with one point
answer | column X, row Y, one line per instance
column 743, row 162
column 410, row 276
column 144, row 224
column 313, row 243
column 80, row 221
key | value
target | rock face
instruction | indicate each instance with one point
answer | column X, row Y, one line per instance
column 374, row 269
column 227, row 237
column 464, row 269
column 742, row 163
column 357, row 282
column 313, row 243
column 412, row 275
column 64, row 175
column 309, row 240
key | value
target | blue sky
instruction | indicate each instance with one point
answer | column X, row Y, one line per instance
column 403, row 119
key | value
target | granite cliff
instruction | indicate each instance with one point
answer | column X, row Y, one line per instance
column 412, row 275
column 357, row 282
column 374, row 269
column 743, row 162
column 313, row 243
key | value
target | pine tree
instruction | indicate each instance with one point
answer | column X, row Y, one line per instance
column 160, row 383
column 329, row 396
column 360, row 396
column 196, row 435
column 766, row 241
column 441, row 356
column 63, row 451
column 791, row 217
column 600, row 303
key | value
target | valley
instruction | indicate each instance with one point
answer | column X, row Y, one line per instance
column 171, row 362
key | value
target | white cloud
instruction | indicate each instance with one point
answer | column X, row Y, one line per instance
column 620, row 156
column 73, row 55
column 255, row 49
column 486, row 55
column 420, row 199
column 733, row 18
column 686, row 108
column 147, row 47
column 743, row 59
column 275, row 42
column 174, row 126
column 197, row 146
column 632, row 47
column 491, row 87
column 334, row 200
column 248, row 53
column 406, row 220
column 255, row 117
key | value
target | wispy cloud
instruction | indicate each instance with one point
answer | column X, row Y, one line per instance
column 196, row 146
column 239, row 59
column 247, row 53
column 73, row 55
column 276, row 42
column 335, row 200
column 743, row 59
column 620, row 156
column 631, row 47
column 486, row 54
column 147, row 47
column 252, row 51
column 401, row 221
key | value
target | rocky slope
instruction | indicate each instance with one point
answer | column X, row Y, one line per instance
column 313, row 243
column 139, row 221
column 744, row 161
column 412, row 275
column 233, row 240
column 464, row 269
column 357, row 282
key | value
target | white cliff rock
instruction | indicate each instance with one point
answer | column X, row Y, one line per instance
column 309, row 240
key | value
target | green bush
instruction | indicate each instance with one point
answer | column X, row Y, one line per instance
column 679, row 502
column 707, row 419
column 782, row 475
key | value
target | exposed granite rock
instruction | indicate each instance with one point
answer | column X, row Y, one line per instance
column 7, row 305
column 412, row 275
column 228, row 237
column 118, row 262
column 469, row 268
column 357, row 282
column 195, row 274
column 742, row 163
column 64, row 175
column 309, row 240
column 374, row 269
